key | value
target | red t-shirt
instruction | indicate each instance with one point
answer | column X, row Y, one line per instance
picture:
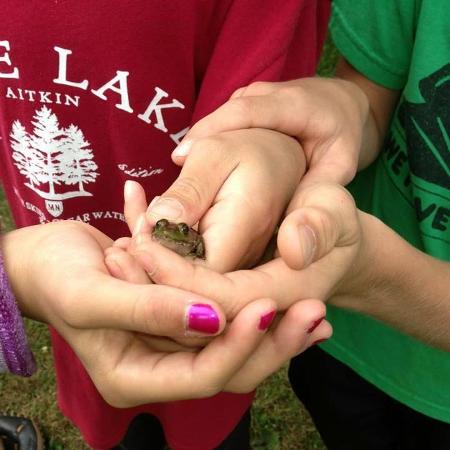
column 93, row 93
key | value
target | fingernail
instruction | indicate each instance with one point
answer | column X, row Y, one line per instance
column 266, row 320
column 128, row 190
column 319, row 341
column 202, row 318
column 183, row 149
column 308, row 243
column 315, row 324
column 166, row 208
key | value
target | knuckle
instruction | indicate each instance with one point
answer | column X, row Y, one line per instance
column 291, row 93
column 189, row 190
column 258, row 88
column 242, row 108
column 209, row 390
column 210, row 145
column 143, row 316
column 348, row 166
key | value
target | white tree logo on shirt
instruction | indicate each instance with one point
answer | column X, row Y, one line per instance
column 53, row 159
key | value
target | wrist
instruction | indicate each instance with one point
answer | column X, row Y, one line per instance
column 17, row 249
column 370, row 272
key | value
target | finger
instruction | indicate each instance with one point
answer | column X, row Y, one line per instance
column 165, row 267
column 237, row 240
column 166, row 345
column 193, row 192
column 321, row 333
column 235, row 289
column 232, row 290
column 243, row 112
column 323, row 217
column 135, row 203
column 123, row 266
column 257, row 88
column 223, row 119
column 302, row 325
column 151, row 309
column 177, row 376
column 123, row 243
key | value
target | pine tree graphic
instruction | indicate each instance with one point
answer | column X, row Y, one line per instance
column 52, row 157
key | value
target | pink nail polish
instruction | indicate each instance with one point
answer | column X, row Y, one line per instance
column 315, row 324
column 202, row 318
column 319, row 341
column 266, row 320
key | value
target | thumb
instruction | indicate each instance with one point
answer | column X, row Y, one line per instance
column 195, row 189
column 323, row 217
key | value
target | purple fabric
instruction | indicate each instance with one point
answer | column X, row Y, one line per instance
column 15, row 355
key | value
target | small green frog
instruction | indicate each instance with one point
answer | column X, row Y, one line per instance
column 180, row 238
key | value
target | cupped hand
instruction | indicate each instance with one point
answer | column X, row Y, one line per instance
column 327, row 116
column 58, row 275
column 321, row 239
column 237, row 184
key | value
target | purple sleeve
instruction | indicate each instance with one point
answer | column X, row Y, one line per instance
column 15, row 355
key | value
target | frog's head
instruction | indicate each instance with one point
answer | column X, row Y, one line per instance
column 168, row 231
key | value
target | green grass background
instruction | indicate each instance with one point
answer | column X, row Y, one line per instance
column 279, row 422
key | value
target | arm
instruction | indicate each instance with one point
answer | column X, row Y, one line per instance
column 398, row 284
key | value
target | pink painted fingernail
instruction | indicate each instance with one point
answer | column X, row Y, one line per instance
column 266, row 320
column 202, row 318
column 319, row 341
column 315, row 324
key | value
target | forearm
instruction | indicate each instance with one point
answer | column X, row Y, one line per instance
column 399, row 285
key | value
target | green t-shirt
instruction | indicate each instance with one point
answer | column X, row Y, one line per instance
column 405, row 45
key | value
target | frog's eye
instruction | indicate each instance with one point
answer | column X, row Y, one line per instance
column 183, row 228
column 161, row 224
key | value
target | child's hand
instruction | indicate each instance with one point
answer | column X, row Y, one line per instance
column 237, row 184
column 58, row 276
column 299, row 327
column 321, row 238
column 327, row 116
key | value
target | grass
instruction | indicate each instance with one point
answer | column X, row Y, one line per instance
column 279, row 422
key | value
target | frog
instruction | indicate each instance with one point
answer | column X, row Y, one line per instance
column 180, row 238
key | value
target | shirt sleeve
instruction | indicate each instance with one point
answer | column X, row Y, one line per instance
column 262, row 40
column 15, row 354
column 376, row 37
